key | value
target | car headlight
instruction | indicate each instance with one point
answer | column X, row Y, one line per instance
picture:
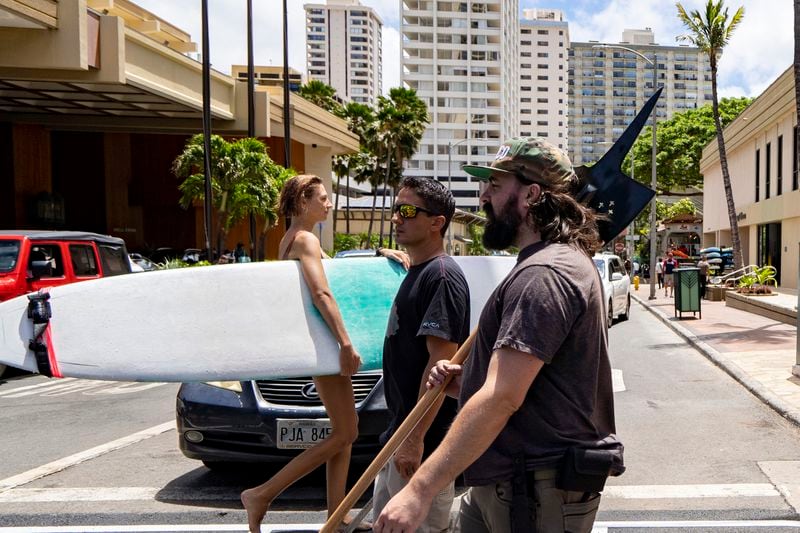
column 235, row 386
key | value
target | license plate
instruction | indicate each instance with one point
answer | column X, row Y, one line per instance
column 302, row 433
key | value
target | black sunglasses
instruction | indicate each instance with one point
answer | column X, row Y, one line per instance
column 410, row 210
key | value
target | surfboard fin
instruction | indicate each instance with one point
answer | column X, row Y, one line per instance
column 39, row 312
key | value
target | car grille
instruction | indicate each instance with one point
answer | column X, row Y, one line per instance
column 295, row 391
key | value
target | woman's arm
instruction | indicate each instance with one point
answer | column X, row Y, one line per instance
column 306, row 249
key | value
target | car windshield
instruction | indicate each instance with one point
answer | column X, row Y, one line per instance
column 601, row 266
column 9, row 254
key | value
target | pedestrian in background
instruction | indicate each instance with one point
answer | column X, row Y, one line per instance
column 670, row 264
column 659, row 272
column 703, row 265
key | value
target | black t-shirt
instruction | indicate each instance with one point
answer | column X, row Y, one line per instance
column 550, row 306
column 433, row 299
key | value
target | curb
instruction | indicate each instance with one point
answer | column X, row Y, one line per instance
column 730, row 367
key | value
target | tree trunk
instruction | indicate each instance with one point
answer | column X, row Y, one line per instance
column 347, row 209
column 726, row 177
column 383, row 195
column 372, row 216
column 336, row 205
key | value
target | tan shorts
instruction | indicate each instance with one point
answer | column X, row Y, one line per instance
column 487, row 509
column 389, row 482
column 669, row 280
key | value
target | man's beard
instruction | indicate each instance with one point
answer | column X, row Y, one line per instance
column 501, row 229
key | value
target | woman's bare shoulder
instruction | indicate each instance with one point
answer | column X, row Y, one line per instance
column 305, row 242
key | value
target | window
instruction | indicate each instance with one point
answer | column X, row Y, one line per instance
column 542, row 54
column 758, row 171
column 50, row 253
column 113, row 259
column 542, row 32
column 540, row 43
column 779, row 166
column 83, row 260
column 767, row 170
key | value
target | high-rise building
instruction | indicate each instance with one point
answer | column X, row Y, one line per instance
column 608, row 86
column 461, row 58
column 343, row 49
column 543, row 66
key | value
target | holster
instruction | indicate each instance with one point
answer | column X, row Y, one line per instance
column 585, row 470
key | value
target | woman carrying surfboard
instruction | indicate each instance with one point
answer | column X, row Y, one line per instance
column 305, row 202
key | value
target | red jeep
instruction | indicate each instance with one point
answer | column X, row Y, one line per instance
column 32, row 260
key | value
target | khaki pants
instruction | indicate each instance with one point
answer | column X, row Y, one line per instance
column 389, row 482
column 487, row 509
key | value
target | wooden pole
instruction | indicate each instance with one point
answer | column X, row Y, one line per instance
column 423, row 405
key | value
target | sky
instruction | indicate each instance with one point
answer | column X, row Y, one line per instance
column 759, row 51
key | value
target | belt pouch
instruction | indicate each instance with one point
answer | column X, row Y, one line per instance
column 584, row 470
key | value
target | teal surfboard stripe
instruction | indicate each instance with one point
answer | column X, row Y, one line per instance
column 364, row 291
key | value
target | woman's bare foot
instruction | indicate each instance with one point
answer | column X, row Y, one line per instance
column 256, row 509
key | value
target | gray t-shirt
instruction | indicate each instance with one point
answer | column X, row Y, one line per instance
column 550, row 306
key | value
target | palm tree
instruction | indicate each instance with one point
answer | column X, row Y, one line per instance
column 710, row 32
column 402, row 118
column 244, row 180
column 360, row 119
column 321, row 94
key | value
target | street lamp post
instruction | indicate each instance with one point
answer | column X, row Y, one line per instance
column 653, row 182
column 450, row 145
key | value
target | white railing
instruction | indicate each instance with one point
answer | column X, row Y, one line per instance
column 731, row 279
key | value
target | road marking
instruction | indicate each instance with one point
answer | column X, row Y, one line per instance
column 72, row 460
column 602, row 527
column 617, row 383
column 732, row 490
column 104, row 494
column 66, row 386
column 599, row 527
column 50, row 383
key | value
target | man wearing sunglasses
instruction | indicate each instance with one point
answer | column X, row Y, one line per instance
column 428, row 321
column 535, row 434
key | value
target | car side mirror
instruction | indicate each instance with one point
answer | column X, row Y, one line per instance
column 616, row 276
column 41, row 269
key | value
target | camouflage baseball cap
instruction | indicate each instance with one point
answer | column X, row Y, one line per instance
column 531, row 159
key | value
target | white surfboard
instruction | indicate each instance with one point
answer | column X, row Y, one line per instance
column 226, row 322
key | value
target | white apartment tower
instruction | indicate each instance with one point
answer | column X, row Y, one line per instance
column 608, row 86
column 343, row 49
column 461, row 58
column 543, row 67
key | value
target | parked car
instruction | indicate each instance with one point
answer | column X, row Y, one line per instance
column 616, row 286
column 140, row 263
column 33, row 260
column 271, row 421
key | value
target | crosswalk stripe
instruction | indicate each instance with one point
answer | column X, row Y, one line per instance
column 50, row 383
column 103, row 494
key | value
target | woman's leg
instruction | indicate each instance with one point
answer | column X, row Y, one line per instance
column 336, row 393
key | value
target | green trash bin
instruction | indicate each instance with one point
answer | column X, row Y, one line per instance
column 687, row 291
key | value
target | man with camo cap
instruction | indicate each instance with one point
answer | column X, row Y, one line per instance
column 535, row 434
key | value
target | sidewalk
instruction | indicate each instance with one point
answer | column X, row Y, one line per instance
column 756, row 351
